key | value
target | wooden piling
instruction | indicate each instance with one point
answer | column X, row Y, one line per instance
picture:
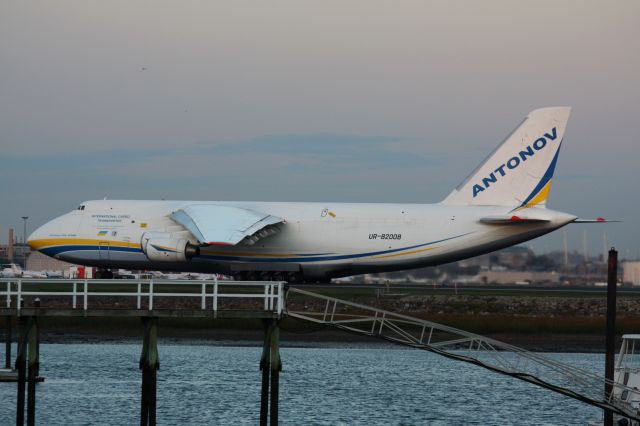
column 265, row 367
column 144, row 399
column 276, row 368
column 33, row 362
column 7, row 343
column 149, row 364
column 153, row 374
column 612, row 281
column 21, row 361
column 270, row 365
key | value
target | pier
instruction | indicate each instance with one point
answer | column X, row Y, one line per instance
column 28, row 301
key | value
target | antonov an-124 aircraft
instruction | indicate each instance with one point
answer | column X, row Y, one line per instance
column 501, row 203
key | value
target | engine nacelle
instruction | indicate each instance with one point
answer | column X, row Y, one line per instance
column 168, row 247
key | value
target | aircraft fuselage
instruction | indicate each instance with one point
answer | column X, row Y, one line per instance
column 318, row 241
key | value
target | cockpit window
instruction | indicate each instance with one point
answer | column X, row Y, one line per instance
column 80, row 207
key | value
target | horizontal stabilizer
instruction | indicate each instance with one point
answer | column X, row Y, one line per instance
column 597, row 220
column 213, row 224
column 511, row 220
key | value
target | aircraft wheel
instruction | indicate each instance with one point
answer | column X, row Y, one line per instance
column 294, row 278
column 265, row 276
column 240, row 276
column 104, row 274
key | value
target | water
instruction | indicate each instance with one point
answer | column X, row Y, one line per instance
column 198, row 384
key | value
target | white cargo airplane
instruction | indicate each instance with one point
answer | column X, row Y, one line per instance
column 501, row 203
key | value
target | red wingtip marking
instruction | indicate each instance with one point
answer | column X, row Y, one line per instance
column 600, row 219
column 515, row 218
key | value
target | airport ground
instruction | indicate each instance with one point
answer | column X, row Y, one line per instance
column 539, row 319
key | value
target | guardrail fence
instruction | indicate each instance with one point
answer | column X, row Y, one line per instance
column 82, row 291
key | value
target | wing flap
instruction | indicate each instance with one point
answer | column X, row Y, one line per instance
column 213, row 224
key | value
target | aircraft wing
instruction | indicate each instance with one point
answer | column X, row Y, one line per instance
column 213, row 224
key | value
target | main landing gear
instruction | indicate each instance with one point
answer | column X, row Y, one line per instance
column 103, row 274
column 289, row 277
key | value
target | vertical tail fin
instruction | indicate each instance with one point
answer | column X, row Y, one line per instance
column 519, row 171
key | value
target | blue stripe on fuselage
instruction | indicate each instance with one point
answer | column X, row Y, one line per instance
column 322, row 258
column 56, row 250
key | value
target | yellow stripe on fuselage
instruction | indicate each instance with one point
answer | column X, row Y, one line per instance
column 406, row 253
column 52, row 242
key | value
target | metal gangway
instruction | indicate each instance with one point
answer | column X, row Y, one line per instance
column 460, row 345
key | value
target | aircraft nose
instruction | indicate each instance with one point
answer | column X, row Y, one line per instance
column 35, row 239
column 46, row 235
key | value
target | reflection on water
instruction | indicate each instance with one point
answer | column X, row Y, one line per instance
column 198, row 384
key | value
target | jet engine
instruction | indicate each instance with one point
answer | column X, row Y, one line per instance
column 168, row 247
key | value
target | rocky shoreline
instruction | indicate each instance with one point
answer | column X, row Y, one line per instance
column 324, row 337
column 419, row 305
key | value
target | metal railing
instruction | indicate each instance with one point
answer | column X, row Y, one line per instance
column 81, row 291
column 463, row 346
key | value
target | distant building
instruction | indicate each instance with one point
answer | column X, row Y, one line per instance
column 20, row 252
column 517, row 277
column 516, row 257
column 482, row 261
column 631, row 272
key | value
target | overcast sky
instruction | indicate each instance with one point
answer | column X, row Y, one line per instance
column 376, row 101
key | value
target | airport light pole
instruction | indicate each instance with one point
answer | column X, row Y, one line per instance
column 24, row 242
column 24, row 230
